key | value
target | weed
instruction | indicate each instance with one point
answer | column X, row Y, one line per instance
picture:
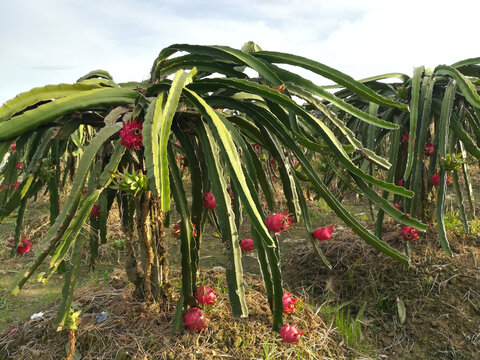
column 269, row 349
column 452, row 221
column 475, row 227
column 351, row 328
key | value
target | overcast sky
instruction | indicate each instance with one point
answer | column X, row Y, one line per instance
column 54, row 41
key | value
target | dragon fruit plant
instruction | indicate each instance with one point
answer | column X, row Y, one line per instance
column 121, row 142
column 443, row 136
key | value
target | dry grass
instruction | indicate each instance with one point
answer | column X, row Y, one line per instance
column 136, row 330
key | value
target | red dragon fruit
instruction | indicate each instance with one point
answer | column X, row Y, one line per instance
column 289, row 303
column 290, row 334
column 247, row 245
column 205, row 295
column 323, row 233
column 95, row 211
column 131, row 135
column 24, row 246
column 209, row 201
column 409, row 234
column 429, row 149
column 278, row 223
column 397, row 206
column 435, row 179
column 194, row 319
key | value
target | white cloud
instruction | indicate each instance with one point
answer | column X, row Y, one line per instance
column 56, row 41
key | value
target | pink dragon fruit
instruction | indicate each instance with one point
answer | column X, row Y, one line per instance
column 278, row 223
column 409, row 234
column 205, row 295
column 194, row 319
column 247, row 245
column 131, row 135
column 323, row 233
column 289, row 303
column 209, row 201
column 95, row 211
column 290, row 334
column 24, row 246
column 429, row 149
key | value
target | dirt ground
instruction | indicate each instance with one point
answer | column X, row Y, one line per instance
column 349, row 312
column 441, row 294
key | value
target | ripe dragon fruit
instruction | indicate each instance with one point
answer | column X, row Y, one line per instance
column 194, row 319
column 176, row 230
column 131, row 135
column 205, row 295
column 435, row 180
column 409, row 234
column 323, row 233
column 95, row 211
column 24, row 246
column 19, row 166
column 289, row 303
column 278, row 223
column 247, row 245
column 290, row 334
column 209, row 201
column 397, row 206
column 429, row 149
